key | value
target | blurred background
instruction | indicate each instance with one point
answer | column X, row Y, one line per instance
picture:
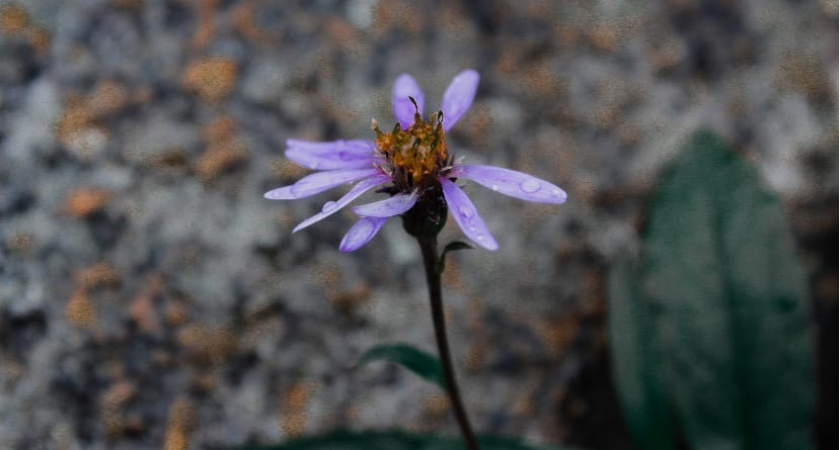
column 151, row 298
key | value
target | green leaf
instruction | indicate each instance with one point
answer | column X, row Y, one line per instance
column 396, row 440
column 636, row 360
column 722, row 298
column 451, row 247
column 421, row 363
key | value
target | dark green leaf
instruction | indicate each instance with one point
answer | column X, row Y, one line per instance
column 396, row 440
column 723, row 300
column 421, row 363
column 636, row 360
column 451, row 247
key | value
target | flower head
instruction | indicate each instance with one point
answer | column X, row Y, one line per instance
column 412, row 164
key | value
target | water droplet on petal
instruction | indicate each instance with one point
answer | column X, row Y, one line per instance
column 329, row 206
column 530, row 185
column 466, row 213
column 495, row 187
column 479, row 238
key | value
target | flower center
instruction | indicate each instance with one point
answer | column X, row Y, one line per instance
column 413, row 157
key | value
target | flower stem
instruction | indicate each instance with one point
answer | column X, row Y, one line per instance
column 428, row 247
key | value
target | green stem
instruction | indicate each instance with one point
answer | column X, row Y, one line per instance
column 428, row 247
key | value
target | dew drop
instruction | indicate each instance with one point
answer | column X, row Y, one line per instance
column 530, row 185
column 466, row 213
column 495, row 187
column 329, row 206
column 479, row 238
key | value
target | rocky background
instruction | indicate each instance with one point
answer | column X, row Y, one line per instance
column 151, row 298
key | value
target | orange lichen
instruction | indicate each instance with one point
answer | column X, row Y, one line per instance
column 112, row 403
column 437, row 405
column 80, row 310
column 14, row 19
column 293, row 408
column 605, row 37
column 558, row 333
column 347, row 300
column 176, row 313
column 212, row 79
column 74, row 117
column 475, row 358
column 97, row 275
column 86, row 201
column 224, row 149
column 118, row 394
column 108, row 97
column 179, row 423
column 142, row 310
column 396, row 15
column 340, row 31
column 804, row 74
column 285, row 169
column 243, row 22
column 208, row 344
column 39, row 39
column 219, row 157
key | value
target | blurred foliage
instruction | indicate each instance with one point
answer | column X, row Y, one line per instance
column 421, row 363
column 709, row 327
column 396, row 440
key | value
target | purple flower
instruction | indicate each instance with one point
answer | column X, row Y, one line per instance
column 411, row 164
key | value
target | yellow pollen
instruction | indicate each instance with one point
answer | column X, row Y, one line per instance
column 414, row 156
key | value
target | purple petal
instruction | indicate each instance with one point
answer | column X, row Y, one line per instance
column 389, row 207
column 405, row 87
column 361, row 233
column 319, row 182
column 357, row 154
column 466, row 215
column 331, row 207
column 512, row 183
column 458, row 97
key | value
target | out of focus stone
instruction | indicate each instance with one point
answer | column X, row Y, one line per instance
column 171, row 137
